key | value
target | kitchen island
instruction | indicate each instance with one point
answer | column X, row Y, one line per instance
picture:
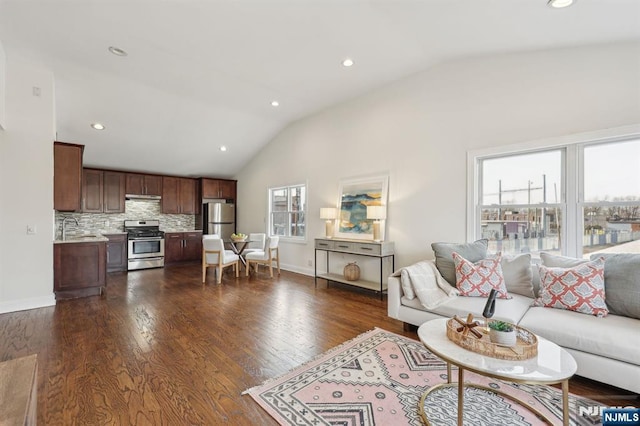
column 80, row 266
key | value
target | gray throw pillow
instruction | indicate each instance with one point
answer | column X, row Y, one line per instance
column 473, row 252
column 517, row 274
column 621, row 283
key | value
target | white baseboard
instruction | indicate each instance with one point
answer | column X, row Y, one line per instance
column 26, row 304
column 297, row 269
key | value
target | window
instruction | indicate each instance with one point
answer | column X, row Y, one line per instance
column 574, row 199
column 611, row 205
column 287, row 206
column 521, row 208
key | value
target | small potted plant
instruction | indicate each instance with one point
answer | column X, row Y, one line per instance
column 502, row 333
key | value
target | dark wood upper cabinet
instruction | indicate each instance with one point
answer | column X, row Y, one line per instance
column 170, row 199
column 153, row 184
column 187, row 195
column 218, row 188
column 102, row 191
column 92, row 191
column 67, row 176
column 139, row 184
column 114, row 185
column 178, row 195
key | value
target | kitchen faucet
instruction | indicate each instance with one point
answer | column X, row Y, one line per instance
column 64, row 226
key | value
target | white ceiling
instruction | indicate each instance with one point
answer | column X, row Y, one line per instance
column 202, row 73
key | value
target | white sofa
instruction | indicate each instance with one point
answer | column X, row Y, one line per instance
column 606, row 349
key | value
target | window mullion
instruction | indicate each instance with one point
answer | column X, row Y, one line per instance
column 572, row 198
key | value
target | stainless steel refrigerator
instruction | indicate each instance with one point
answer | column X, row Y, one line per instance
column 219, row 218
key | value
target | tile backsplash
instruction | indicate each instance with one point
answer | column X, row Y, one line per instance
column 103, row 223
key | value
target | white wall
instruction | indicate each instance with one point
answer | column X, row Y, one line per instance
column 419, row 129
column 3, row 72
column 26, row 189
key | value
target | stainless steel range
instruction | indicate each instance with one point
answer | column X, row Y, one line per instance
column 146, row 244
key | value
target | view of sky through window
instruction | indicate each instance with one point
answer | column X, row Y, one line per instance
column 530, row 178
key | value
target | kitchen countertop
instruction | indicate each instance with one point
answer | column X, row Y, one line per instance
column 82, row 239
column 181, row 230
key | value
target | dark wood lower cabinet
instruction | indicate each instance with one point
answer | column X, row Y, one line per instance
column 79, row 269
column 182, row 246
column 192, row 248
column 116, row 252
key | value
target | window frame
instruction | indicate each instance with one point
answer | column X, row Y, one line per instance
column 289, row 211
column 572, row 183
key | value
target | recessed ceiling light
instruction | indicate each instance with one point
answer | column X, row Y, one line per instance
column 223, row 148
column 117, row 51
column 275, row 103
column 97, row 126
column 347, row 62
column 557, row 4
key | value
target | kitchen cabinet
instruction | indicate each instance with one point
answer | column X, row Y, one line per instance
column 182, row 246
column 140, row 184
column 178, row 195
column 116, row 252
column 103, row 191
column 79, row 269
column 67, row 177
column 92, row 188
column 114, row 192
column 218, row 188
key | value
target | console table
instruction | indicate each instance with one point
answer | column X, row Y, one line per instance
column 383, row 251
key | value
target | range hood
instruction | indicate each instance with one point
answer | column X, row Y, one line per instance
column 143, row 197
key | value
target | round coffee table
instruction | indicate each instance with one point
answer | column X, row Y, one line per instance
column 552, row 365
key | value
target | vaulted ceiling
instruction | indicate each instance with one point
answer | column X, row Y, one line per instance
column 201, row 74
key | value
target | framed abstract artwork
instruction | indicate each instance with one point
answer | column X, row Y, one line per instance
column 355, row 195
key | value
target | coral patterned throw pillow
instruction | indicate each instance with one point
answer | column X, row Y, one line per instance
column 580, row 288
column 479, row 278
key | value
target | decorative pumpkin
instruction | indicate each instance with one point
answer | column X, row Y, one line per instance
column 352, row 272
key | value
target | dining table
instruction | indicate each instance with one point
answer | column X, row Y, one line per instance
column 238, row 246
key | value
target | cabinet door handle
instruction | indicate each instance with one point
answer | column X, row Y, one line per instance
column 366, row 248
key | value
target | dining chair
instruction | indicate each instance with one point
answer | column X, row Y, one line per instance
column 265, row 257
column 256, row 243
column 214, row 255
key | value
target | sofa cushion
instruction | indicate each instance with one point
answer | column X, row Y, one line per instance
column 518, row 274
column 477, row 279
column 580, row 288
column 622, row 283
column 612, row 337
column 444, row 260
column 555, row 261
column 510, row 310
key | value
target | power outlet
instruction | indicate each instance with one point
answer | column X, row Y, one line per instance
column 309, row 262
column 31, row 230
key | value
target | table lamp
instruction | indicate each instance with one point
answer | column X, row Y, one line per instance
column 377, row 213
column 329, row 214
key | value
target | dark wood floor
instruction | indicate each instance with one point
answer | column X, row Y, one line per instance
column 161, row 348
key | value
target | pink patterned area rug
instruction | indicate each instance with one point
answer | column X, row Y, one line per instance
column 378, row 378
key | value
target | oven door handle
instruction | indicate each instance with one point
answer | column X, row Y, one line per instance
column 147, row 239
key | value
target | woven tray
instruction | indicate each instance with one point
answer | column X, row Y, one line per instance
column 526, row 345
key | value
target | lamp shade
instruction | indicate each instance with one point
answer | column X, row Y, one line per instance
column 328, row 213
column 376, row 212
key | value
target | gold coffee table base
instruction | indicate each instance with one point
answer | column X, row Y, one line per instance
column 424, row 396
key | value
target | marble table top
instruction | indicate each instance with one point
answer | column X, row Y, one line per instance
column 553, row 364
